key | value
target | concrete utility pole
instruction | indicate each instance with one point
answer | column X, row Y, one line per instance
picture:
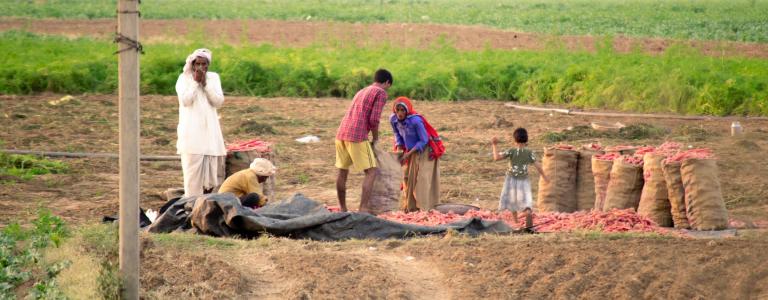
column 129, row 49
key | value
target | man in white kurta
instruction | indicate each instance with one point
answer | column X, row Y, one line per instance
column 200, row 142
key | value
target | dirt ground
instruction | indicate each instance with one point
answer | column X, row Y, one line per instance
column 297, row 33
column 510, row 267
column 89, row 124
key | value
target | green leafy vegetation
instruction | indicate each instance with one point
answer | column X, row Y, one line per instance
column 641, row 131
column 638, row 131
column 27, row 166
column 253, row 127
column 21, row 257
column 693, row 133
column 572, row 134
column 680, row 80
column 736, row 20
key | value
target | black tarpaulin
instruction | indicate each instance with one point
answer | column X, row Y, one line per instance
column 297, row 217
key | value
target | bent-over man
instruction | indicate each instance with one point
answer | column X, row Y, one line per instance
column 246, row 184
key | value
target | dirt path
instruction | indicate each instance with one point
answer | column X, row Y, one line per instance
column 273, row 268
column 422, row 278
column 265, row 283
column 296, row 33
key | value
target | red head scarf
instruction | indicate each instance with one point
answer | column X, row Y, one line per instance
column 405, row 101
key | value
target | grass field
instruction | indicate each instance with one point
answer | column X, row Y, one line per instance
column 677, row 81
column 737, row 20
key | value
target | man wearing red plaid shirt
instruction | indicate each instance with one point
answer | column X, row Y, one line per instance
column 352, row 146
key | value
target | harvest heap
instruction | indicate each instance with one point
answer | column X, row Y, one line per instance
column 616, row 189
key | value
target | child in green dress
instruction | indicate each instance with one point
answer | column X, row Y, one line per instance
column 516, row 193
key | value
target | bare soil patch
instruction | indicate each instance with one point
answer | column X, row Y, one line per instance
column 298, row 33
column 527, row 268
column 493, row 267
column 167, row 273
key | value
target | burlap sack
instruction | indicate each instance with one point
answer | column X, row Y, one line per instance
column 654, row 199
column 601, row 169
column 172, row 193
column 386, row 189
column 703, row 199
column 559, row 194
column 241, row 160
column 585, row 180
column 676, row 194
column 207, row 214
column 624, row 187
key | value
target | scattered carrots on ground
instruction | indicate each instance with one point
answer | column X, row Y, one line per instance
column 564, row 147
column 249, row 145
column 702, row 153
column 611, row 221
column 739, row 224
column 670, row 146
column 645, row 149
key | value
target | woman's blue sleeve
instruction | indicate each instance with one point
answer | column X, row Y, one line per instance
column 398, row 138
column 422, row 132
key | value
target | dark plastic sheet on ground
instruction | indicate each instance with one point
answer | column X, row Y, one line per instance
column 297, row 217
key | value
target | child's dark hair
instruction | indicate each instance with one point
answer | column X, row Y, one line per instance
column 382, row 76
column 521, row 135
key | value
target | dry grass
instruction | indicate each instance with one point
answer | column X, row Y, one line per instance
column 81, row 279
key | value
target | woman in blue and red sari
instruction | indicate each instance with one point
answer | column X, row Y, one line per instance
column 421, row 173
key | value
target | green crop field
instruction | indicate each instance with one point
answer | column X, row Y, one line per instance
column 678, row 81
column 735, row 20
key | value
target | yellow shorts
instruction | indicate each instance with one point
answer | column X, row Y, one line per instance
column 359, row 155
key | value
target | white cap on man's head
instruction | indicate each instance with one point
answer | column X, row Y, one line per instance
column 202, row 52
column 263, row 167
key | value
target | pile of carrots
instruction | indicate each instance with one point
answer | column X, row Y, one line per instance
column 250, row 145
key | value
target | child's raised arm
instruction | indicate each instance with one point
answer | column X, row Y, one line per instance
column 496, row 155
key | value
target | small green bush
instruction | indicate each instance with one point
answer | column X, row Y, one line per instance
column 638, row 131
column 253, row 127
column 27, row 166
